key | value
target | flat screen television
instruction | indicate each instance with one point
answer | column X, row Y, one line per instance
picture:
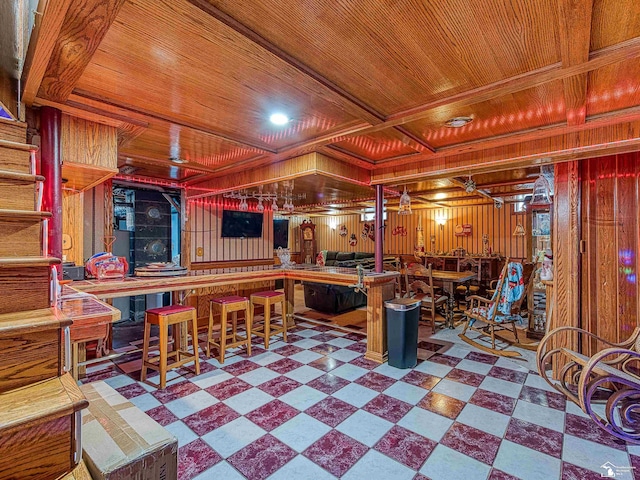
column 241, row 224
column 280, row 233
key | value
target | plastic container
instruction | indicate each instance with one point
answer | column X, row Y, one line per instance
column 403, row 315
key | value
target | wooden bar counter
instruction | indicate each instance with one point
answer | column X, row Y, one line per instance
column 379, row 287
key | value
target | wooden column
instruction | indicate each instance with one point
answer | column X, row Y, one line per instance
column 379, row 225
column 51, row 169
column 377, row 321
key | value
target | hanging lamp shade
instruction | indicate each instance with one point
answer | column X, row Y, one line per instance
column 541, row 191
column 404, row 208
column 519, row 231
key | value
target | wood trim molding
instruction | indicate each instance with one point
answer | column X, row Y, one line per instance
column 232, row 264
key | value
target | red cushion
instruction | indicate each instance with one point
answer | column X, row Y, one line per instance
column 267, row 293
column 229, row 299
column 170, row 309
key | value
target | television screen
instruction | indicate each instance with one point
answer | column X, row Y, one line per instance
column 241, row 224
column 280, row 233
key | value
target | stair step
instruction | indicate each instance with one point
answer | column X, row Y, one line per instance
column 18, row 190
column 24, row 283
column 15, row 156
column 12, row 130
column 38, row 425
column 21, row 232
column 30, row 347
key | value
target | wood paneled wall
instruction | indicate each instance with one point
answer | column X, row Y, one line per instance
column 205, row 224
column 484, row 218
column 73, row 226
column 611, row 235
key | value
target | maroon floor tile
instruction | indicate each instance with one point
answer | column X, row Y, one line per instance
column 212, row 417
column 322, row 328
column 194, row 458
column 420, row 379
column 105, row 374
column 261, row 458
column 271, row 415
column 463, row 376
column 356, row 337
column 241, row 367
column 573, row 472
column 507, row 374
column 284, row 366
column 292, row 338
column 175, row 391
column 406, row 447
column 336, row 452
column 328, row 383
column 493, row 401
column 500, row 475
column 331, row 411
column 255, row 350
column 419, row 476
column 189, row 372
column 130, row 391
column 472, row 442
column 324, row 337
column 228, row 388
column 442, row 405
column 279, row 386
column 288, row 350
column 324, row 349
column 358, row 347
column 162, row 415
column 587, row 429
column 364, row 363
column 537, row 438
column 635, row 463
column 544, row 398
column 445, row 360
column 375, row 381
column 326, row 364
column 389, row 408
column 429, row 346
column 482, row 358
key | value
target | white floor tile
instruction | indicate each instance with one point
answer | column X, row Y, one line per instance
column 304, row 374
column 233, row 436
column 433, row 368
column 349, row 372
column 376, row 466
column 447, row 464
column 220, row 470
column 454, row 389
column 510, row 364
column 483, row 419
column 119, row 381
column 538, row 382
column 190, row 404
column 183, row 433
column 344, row 355
column 426, row 423
column 340, row 342
column 406, row 392
column 211, row 378
column 503, row 387
column 228, row 360
column 525, row 463
column 306, row 356
column 266, row 358
column 393, row 372
column 258, row 376
column 575, row 409
column 543, row 416
column 592, row 456
column 355, row 394
column 302, row 397
column 307, row 333
column 306, row 343
column 457, row 351
column 300, row 468
column 248, row 400
column 365, row 427
column 475, row 367
column 300, row 432
column 145, row 402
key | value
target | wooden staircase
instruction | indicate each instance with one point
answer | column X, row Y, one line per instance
column 40, row 403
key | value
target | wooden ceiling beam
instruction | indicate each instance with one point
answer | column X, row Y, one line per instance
column 84, row 26
column 366, row 112
column 575, row 39
column 482, row 193
column 46, row 28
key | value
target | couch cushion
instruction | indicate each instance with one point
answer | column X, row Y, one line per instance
column 342, row 256
column 363, row 255
column 331, row 255
column 330, row 263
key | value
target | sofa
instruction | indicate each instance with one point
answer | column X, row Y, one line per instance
column 335, row 299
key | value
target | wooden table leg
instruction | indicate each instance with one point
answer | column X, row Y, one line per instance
column 377, row 321
column 289, row 295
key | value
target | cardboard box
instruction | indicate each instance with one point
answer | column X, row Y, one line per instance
column 120, row 441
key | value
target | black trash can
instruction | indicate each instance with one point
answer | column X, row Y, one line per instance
column 402, row 331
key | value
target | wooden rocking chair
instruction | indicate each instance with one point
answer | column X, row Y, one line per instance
column 610, row 376
column 430, row 300
column 487, row 312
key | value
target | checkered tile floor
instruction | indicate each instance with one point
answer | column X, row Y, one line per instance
column 314, row 408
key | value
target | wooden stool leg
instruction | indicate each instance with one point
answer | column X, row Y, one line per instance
column 249, row 324
column 210, row 332
column 164, row 334
column 145, row 349
column 194, row 341
column 267, row 324
column 234, row 330
column 285, row 325
column 223, row 332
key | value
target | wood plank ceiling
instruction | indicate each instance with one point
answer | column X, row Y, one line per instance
column 369, row 83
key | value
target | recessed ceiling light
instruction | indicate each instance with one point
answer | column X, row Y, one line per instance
column 178, row 160
column 457, row 122
column 279, row 119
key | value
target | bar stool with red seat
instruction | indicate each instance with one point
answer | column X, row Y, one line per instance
column 225, row 306
column 268, row 299
column 176, row 315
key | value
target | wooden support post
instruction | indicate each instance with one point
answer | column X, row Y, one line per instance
column 376, row 321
